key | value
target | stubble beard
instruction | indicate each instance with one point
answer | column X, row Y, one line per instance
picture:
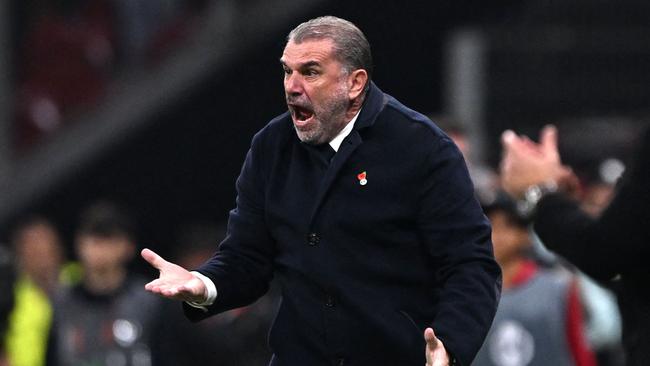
column 329, row 119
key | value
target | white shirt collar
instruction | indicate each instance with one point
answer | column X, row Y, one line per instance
column 338, row 140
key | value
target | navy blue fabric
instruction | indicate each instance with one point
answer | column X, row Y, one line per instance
column 364, row 268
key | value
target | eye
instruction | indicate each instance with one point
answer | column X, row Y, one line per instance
column 311, row 72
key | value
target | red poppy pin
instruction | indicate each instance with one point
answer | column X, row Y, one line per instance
column 362, row 178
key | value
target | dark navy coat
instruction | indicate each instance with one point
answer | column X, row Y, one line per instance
column 364, row 268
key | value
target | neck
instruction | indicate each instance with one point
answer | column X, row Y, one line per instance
column 510, row 269
column 355, row 106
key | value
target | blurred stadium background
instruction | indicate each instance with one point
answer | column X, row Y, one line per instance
column 154, row 103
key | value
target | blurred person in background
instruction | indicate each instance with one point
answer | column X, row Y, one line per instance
column 235, row 338
column 39, row 256
column 602, row 315
column 363, row 210
column 106, row 319
column 539, row 320
column 7, row 281
column 484, row 178
column 613, row 245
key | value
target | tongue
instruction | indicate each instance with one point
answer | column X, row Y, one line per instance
column 303, row 114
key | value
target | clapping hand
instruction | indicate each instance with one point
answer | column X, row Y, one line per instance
column 526, row 163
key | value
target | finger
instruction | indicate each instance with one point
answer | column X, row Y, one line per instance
column 155, row 283
column 517, row 145
column 152, row 258
column 548, row 138
column 163, row 290
column 430, row 338
column 508, row 137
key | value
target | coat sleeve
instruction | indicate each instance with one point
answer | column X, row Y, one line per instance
column 458, row 238
column 241, row 269
column 617, row 240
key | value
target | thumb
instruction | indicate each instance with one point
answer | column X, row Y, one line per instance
column 152, row 258
column 508, row 137
column 430, row 338
column 548, row 138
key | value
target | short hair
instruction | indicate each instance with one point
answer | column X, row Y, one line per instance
column 500, row 201
column 106, row 219
column 351, row 47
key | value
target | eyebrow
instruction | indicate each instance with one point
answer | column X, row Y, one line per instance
column 307, row 64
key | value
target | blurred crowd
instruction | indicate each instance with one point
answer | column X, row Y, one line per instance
column 68, row 52
column 93, row 310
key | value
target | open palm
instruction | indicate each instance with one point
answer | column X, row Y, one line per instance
column 174, row 282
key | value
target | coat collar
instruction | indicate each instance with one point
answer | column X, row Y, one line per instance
column 374, row 103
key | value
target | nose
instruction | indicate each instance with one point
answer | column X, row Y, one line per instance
column 293, row 84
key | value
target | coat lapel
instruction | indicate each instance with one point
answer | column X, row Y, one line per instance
column 346, row 149
column 372, row 106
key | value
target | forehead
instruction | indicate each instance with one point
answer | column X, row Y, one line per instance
column 308, row 51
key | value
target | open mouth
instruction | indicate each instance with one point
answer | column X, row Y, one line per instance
column 301, row 115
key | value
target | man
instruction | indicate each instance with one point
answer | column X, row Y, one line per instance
column 612, row 245
column 39, row 257
column 364, row 212
column 106, row 319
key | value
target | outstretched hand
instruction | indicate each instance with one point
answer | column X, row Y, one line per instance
column 174, row 282
column 435, row 351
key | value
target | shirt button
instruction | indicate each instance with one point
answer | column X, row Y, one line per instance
column 329, row 302
column 313, row 239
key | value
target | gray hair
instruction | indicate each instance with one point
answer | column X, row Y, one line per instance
column 351, row 47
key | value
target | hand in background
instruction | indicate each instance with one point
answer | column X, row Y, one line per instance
column 435, row 351
column 526, row 163
column 174, row 282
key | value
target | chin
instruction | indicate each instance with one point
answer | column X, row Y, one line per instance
column 309, row 137
column 309, row 140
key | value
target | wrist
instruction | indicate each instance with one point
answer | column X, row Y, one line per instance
column 209, row 290
column 533, row 194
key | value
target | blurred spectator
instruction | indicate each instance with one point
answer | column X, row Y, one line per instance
column 599, row 191
column 524, row 332
column 235, row 338
column 593, row 190
column 614, row 245
column 7, row 298
column 483, row 177
column 106, row 319
column 39, row 256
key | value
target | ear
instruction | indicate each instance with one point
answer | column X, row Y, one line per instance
column 357, row 82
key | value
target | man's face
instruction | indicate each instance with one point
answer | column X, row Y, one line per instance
column 39, row 251
column 316, row 89
column 98, row 253
column 509, row 239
